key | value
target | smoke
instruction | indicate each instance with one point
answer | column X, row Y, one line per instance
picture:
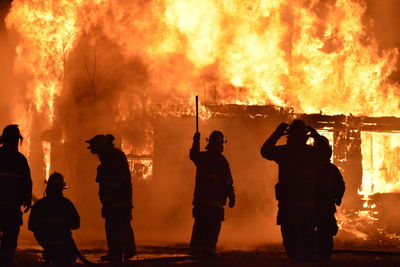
column 8, row 82
column 382, row 22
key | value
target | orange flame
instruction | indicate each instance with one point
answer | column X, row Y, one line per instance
column 47, row 32
column 251, row 52
column 380, row 163
column 310, row 55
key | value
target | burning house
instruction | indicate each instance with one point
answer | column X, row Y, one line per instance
column 132, row 68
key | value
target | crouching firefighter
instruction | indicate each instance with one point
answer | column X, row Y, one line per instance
column 51, row 220
column 115, row 192
column 213, row 186
column 15, row 191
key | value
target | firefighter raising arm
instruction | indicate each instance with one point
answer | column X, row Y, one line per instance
column 268, row 150
column 195, row 150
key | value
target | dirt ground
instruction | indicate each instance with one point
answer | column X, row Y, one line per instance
column 271, row 255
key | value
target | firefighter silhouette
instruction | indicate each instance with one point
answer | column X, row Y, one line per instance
column 296, row 190
column 213, row 186
column 15, row 191
column 115, row 192
column 330, row 191
column 51, row 220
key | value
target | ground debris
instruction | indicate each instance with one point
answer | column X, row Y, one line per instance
column 265, row 256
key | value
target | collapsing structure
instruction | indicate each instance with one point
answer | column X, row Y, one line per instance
column 364, row 148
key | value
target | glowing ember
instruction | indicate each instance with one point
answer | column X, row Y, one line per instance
column 143, row 168
column 140, row 159
column 351, row 224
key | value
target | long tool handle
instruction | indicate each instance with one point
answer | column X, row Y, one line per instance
column 197, row 113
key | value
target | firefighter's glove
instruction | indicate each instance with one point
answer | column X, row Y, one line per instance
column 196, row 137
column 281, row 129
column 27, row 206
column 312, row 132
column 232, row 202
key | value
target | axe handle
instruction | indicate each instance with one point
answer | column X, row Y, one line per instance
column 197, row 113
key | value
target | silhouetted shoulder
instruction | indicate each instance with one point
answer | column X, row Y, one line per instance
column 44, row 202
column 38, row 203
column 332, row 168
column 198, row 156
column 224, row 159
column 119, row 153
column 67, row 202
column 16, row 154
column 203, row 153
column 21, row 155
column 275, row 153
column 120, row 157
